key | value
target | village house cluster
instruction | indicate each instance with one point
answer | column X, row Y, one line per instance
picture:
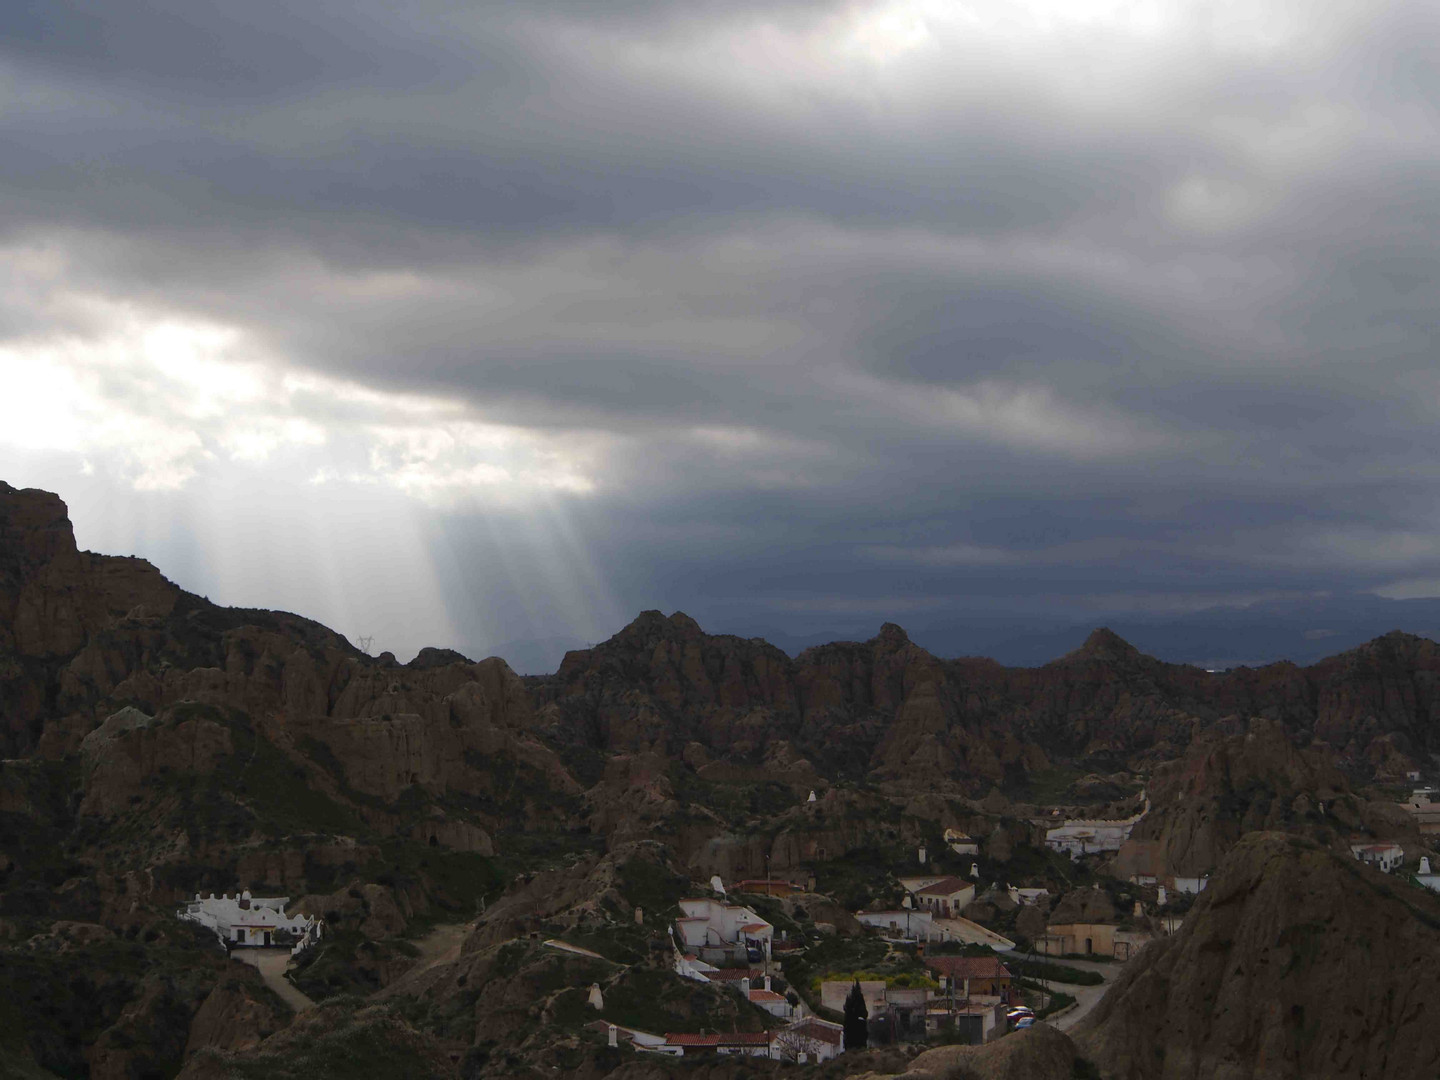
column 730, row 944
column 719, row 941
column 245, row 921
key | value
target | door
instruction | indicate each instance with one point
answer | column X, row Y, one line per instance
column 240, row 937
column 267, row 937
column 1089, row 946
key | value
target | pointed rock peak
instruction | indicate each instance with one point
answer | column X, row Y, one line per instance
column 646, row 624
column 651, row 626
column 1105, row 644
column 892, row 636
column 687, row 626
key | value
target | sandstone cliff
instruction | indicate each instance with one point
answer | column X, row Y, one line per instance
column 1295, row 962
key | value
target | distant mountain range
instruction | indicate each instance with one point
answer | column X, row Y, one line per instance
column 1301, row 631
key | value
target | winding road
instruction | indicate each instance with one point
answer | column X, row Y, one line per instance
column 1086, row 997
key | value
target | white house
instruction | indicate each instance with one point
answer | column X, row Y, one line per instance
column 764, row 997
column 902, row 923
column 913, row 883
column 716, row 931
column 618, row 1034
column 1426, row 877
column 947, row 897
column 742, row 1043
column 1384, row 857
column 1082, row 836
column 252, row 921
column 812, row 1040
column 962, row 843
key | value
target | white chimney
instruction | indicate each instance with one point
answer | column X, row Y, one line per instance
column 745, row 988
column 922, row 856
column 1424, row 864
column 717, row 885
column 812, row 796
column 614, row 1035
column 975, row 870
column 767, row 982
column 1161, row 895
column 639, row 916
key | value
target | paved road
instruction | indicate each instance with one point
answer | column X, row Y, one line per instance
column 1086, row 997
column 272, row 964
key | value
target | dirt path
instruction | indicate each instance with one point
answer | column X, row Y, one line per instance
column 272, row 964
column 440, row 946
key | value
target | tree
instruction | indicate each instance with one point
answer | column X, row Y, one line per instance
column 857, row 1031
column 791, row 1042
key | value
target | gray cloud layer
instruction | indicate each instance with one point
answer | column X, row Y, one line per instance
column 841, row 310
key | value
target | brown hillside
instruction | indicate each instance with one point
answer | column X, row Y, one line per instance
column 1295, row 963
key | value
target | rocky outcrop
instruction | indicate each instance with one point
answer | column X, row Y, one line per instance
column 1039, row 1053
column 1228, row 785
column 1295, row 962
column 372, row 909
column 238, row 1014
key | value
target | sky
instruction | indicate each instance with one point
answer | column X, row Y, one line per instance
column 478, row 325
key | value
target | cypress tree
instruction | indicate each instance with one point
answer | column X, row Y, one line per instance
column 857, row 1033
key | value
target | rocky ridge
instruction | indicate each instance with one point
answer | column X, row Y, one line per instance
column 1295, row 962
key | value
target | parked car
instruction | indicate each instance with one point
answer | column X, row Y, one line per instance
column 1019, row 1012
column 1024, row 1022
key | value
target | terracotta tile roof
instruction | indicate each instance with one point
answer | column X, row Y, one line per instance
column 757, row 926
column 766, row 995
column 944, row 887
column 968, row 967
column 732, row 1038
column 820, row 1030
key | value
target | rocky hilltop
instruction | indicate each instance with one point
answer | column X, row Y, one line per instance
column 1295, row 963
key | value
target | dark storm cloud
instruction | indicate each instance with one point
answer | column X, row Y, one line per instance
column 865, row 307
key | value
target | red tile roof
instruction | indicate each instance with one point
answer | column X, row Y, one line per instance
column 968, row 967
column 765, row 995
column 819, row 1030
column 732, row 1038
column 757, row 926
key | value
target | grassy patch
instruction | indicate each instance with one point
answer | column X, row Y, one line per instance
column 1054, row 972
